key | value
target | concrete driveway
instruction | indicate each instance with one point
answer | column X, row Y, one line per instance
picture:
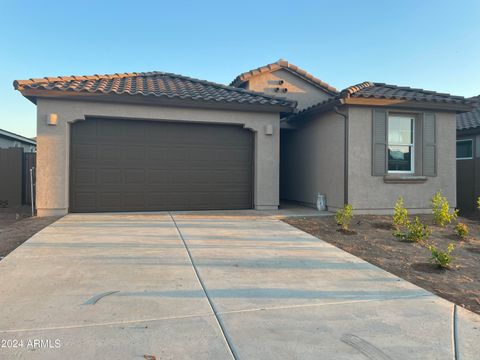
column 206, row 286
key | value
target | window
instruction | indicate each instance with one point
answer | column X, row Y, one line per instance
column 464, row 149
column 401, row 144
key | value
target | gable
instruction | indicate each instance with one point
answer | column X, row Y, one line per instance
column 296, row 87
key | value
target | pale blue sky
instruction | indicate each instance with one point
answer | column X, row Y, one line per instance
column 433, row 44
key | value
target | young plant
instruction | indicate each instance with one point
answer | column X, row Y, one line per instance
column 442, row 258
column 441, row 210
column 400, row 214
column 344, row 216
column 462, row 230
column 417, row 231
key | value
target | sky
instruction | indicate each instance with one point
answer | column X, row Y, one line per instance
column 431, row 44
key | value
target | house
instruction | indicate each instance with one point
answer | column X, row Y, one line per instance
column 468, row 157
column 11, row 140
column 160, row 141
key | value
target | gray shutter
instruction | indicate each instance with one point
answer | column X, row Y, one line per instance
column 379, row 141
column 429, row 150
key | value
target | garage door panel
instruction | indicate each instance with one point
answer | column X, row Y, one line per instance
column 84, row 177
column 131, row 165
column 85, row 200
column 84, row 151
column 109, row 152
column 109, row 177
column 134, row 176
column 134, row 200
column 133, row 152
column 109, row 200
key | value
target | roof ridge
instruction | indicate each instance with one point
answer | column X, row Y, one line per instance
column 18, row 84
column 354, row 88
column 283, row 64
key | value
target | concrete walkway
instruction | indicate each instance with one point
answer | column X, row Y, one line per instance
column 123, row 286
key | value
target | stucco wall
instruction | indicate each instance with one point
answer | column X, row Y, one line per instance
column 53, row 144
column 371, row 193
column 312, row 161
column 298, row 89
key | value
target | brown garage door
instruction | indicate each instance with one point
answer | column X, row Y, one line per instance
column 131, row 165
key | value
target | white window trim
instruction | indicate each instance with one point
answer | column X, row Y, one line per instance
column 412, row 171
column 465, row 158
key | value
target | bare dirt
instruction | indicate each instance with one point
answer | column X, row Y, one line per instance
column 375, row 243
column 17, row 227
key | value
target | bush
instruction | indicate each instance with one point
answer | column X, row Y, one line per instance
column 441, row 258
column 478, row 203
column 344, row 216
column 441, row 210
column 462, row 230
column 416, row 231
column 400, row 214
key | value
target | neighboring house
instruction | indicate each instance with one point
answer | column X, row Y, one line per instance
column 11, row 140
column 468, row 157
column 160, row 141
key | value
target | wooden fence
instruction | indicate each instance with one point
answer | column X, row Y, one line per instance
column 15, row 185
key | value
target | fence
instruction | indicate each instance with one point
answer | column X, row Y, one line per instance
column 15, row 185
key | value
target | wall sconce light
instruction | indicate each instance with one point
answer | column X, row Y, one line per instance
column 52, row 119
column 268, row 130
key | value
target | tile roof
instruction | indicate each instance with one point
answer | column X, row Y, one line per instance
column 369, row 89
column 384, row 91
column 470, row 120
column 283, row 64
column 158, row 84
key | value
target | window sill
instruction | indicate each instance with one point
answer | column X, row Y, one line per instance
column 404, row 179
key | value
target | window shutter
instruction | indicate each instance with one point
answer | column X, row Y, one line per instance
column 379, row 141
column 429, row 142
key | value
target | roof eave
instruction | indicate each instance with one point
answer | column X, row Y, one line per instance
column 469, row 131
column 20, row 138
column 34, row 94
column 413, row 104
column 308, row 114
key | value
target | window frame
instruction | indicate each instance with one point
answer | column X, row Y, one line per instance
column 413, row 122
column 464, row 158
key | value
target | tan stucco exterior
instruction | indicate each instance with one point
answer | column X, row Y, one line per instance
column 370, row 194
column 305, row 93
column 53, row 144
column 312, row 161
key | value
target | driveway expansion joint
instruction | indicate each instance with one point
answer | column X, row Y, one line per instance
column 210, row 302
column 456, row 355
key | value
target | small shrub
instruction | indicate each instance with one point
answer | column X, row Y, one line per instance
column 441, row 210
column 462, row 230
column 440, row 257
column 478, row 203
column 416, row 231
column 344, row 216
column 400, row 214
